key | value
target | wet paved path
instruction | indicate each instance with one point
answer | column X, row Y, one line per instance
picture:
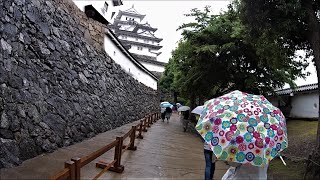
column 165, row 152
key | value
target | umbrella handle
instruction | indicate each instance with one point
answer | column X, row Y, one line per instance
column 282, row 160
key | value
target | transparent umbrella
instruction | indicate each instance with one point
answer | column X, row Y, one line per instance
column 184, row 108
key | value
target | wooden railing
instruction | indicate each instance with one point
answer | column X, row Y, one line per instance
column 67, row 173
column 72, row 170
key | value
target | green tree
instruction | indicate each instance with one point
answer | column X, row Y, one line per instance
column 293, row 25
column 217, row 55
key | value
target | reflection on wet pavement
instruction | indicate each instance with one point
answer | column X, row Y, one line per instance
column 165, row 152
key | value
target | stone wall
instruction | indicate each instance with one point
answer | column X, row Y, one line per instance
column 56, row 86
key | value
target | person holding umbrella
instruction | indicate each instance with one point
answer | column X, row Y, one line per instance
column 208, row 154
column 246, row 129
column 168, row 113
column 184, row 117
column 164, row 106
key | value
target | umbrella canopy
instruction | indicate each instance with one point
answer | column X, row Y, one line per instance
column 165, row 102
column 184, row 108
column 164, row 105
column 243, row 128
column 197, row 110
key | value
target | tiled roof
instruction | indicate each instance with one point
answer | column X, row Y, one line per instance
column 151, row 46
column 308, row 87
column 148, row 59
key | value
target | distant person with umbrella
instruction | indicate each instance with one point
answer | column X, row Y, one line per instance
column 163, row 106
column 184, row 117
column 168, row 113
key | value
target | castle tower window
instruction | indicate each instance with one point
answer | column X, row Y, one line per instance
column 105, row 8
column 117, row 2
column 140, row 48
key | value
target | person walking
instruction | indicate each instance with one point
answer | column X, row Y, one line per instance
column 210, row 162
column 168, row 113
column 163, row 113
column 184, row 117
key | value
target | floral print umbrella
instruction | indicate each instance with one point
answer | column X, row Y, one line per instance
column 243, row 128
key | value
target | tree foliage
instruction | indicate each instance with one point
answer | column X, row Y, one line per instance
column 293, row 25
column 217, row 54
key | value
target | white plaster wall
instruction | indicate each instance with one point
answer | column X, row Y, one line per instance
column 144, row 51
column 305, row 106
column 153, row 67
column 98, row 5
column 120, row 58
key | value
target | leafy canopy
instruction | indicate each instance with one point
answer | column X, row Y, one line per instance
column 217, row 54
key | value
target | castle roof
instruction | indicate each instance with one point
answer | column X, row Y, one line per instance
column 148, row 59
column 119, row 32
column 145, row 26
column 151, row 46
column 130, row 12
column 299, row 89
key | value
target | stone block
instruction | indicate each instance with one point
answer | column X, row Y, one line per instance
column 57, row 84
column 93, row 33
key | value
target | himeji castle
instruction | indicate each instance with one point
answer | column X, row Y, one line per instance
column 138, row 37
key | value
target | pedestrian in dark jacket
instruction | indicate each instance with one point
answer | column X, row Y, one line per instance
column 168, row 113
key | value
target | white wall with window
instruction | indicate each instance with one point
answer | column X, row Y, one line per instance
column 137, row 39
column 142, row 50
column 128, row 18
column 107, row 9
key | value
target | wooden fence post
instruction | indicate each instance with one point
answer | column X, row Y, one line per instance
column 148, row 122
column 117, row 167
column 77, row 162
column 145, row 125
column 140, row 130
column 132, row 138
column 151, row 119
column 154, row 117
column 72, row 168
